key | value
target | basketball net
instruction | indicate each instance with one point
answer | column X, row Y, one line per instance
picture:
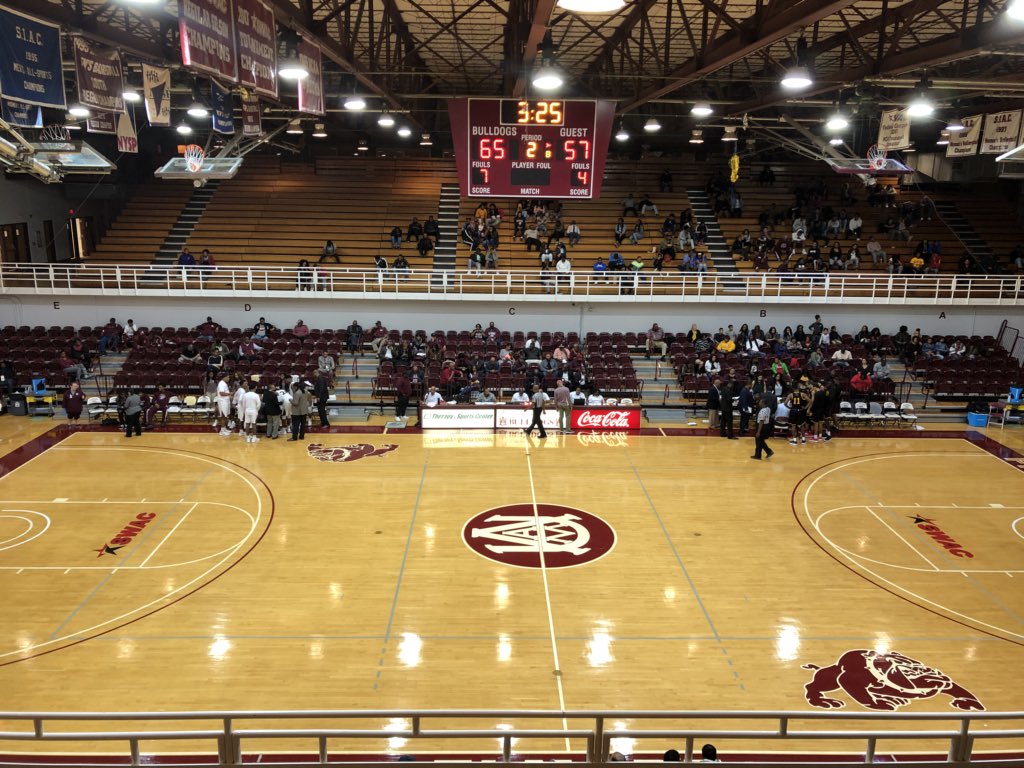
column 876, row 157
column 194, row 156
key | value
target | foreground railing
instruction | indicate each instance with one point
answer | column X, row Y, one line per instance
column 590, row 736
column 54, row 279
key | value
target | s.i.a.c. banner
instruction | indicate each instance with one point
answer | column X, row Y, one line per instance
column 30, row 52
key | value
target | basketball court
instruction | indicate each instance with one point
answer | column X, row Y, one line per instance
column 185, row 571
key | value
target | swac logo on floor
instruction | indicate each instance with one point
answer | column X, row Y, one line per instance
column 347, row 452
column 941, row 538
column 129, row 532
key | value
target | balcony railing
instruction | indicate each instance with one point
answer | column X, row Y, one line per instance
column 354, row 737
column 116, row 280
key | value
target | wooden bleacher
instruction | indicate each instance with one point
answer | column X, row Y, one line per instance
column 990, row 214
column 139, row 229
column 278, row 213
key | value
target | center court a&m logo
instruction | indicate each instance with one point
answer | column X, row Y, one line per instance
column 517, row 535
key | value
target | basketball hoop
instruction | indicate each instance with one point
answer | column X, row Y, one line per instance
column 194, row 156
column 876, row 158
column 54, row 134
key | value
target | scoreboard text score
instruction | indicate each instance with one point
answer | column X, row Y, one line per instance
column 530, row 148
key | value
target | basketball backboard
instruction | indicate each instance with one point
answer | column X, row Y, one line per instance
column 861, row 165
column 212, row 168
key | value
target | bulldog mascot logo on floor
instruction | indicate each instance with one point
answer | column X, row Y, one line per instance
column 347, row 452
column 883, row 681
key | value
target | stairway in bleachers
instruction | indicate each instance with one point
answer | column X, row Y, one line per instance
column 718, row 248
column 960, row 227
column 182, row 229
column 448, row 221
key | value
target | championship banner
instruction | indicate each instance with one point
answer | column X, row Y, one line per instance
column 1001, row 132
column 127, row 141
column 21, row 115
column 894, row 130
column 311, row 89
column 222, row 109
column 252, row 123
column 30, row 52
column 257, row 46
column 965, row 142
column 156, row 85
column 102, row 122
column 100, row 82
column 207, row 30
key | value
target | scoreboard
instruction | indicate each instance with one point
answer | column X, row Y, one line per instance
column 544, row 148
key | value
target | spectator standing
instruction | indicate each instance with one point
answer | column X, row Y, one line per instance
column 563, row 403
column 403, row 391
column 714, row 403
column 725, row 426
column 133, row 414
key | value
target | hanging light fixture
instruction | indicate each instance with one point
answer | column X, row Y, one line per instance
column 730, row 133
column 548, row 77
column 294, row 127
column 425, row 140
column 652, row 125
column 591, row 6
column 197, row 108
column 131, row 95
column 622, row 134
column 363, row 146
column 290, row 67
column 355, row 103
column 79, row 110
column 184, row 129
column 955, row 125
column 798, row 77
column 911, row 148
column 405, row 131
column 921, row 104
column 837, row 122
column 943, row 139
column 319, row 132
column 835, row 141
column 701, row 109
column 385, row 120
column 697, row 136
column 1015, row 10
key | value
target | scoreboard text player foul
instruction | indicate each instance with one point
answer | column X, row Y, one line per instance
column 530, row 147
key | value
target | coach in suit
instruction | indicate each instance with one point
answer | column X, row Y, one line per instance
column 725, row 427
column 322, row 392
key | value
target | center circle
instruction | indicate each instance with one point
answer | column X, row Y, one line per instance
column 512, row 535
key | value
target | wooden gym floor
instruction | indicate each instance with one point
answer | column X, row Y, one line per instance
column 184, row 571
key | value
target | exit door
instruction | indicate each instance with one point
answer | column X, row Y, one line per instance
column 14, row 246
column 80, row 230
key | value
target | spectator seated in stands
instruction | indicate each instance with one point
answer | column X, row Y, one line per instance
column 414, row 231
column 208, row 330
column 669, row 226
column 573, row 233
column 615, row 262
column 432, row 230
column 842, row 356
column 854, row 226
column 470, row 234
column 895, row 266
column 600, row 268
column 424, row 246
column 476, row 259
column 329, row 252
column 215, row 360
column 190, row 354
column 665, row 181
column 726, row 345
column 761, row 259
column 916, row 265
column 656, row 340
column 852, row 260
column 638, row 232
column 547, row 256
column 742, row 244
column 700, row 233
column 301, row 330
column 396, row 237
column 629, row 206
column 620, row 232
column 401, row 267
column 74, row 370
column 861, row 382
column 110, row 337
column 531, row 237
column 261, row 330
column 186, row 259
column 353, row 337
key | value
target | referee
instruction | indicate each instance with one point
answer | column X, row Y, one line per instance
column 539, row 398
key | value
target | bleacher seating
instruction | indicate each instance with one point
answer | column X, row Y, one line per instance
column 139, row 229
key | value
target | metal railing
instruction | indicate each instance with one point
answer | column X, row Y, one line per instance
column 597, row 734
column 329, row 282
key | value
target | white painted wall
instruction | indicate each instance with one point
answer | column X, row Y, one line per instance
column 525, row 316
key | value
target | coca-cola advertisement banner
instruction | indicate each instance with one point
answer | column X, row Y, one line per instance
column 606, row 419
column 257, row 46
column 207, row 31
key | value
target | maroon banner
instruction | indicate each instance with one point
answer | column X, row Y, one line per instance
column 257, row 46
column 606, row 419
column 100, row 82
column 102, row 122
column 252, row 124
column 207, row 29
column 311, row 89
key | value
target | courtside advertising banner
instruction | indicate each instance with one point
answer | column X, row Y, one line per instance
column 1001, row 132
column 156, row 86
column 894, row 130
column 100, row 81
column 252, row 123
column 606, row 419
column 21, row 115
column 223, row 109
column 311, row 89
column 207, row 29
column 127, row 141
column 965, row 142
column 257, row 46
column 31, row 70
column 102, row 122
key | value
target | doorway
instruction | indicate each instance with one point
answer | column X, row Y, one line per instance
column 49, row 242
column 14, row 245
column 80, row 231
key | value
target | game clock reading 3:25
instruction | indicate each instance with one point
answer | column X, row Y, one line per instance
column 531, row 148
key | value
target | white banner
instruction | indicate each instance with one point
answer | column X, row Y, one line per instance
column 127, row 141
column 894, row 130
column 1001, row 132
column 157, row 88
column 521, row 418
column 965, row 142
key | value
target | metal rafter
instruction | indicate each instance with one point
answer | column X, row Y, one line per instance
column 542, row 11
